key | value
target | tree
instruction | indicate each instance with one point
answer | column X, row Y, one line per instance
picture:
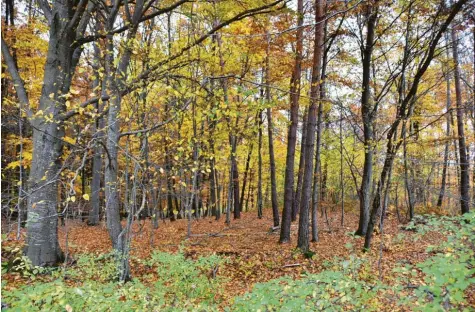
column 404, row 112
column 303, row 239
column 48, row 123
column 368, row 113
column 292, row 132
column 464, row 162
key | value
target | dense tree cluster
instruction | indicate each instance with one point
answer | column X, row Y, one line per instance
column 119, row 110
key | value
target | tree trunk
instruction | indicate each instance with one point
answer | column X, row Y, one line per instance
column 99, row 125
column 292, row 133
column 447, row 143
column 368, row 119
column 273, row 182
column 303, row 239
column 61, row 60
column 464, row 165
column 259, row 170
column 237, row 210
column 244, row 180
column 298, row 191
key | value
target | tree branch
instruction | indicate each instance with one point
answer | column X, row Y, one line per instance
column 17, row 81
column 91, row 38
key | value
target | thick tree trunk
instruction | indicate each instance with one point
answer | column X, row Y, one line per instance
column 292, row 133
column 61, row 60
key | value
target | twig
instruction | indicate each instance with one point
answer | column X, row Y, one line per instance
column 291, row 265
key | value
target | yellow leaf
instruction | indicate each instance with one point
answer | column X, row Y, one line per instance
column 85, row 196
column 73, row 198
column 69, row 140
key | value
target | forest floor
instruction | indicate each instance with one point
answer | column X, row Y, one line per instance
column 251, row 247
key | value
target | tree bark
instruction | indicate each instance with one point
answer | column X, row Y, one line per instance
column 273, row 182
column 98, row 125
column 292, row 132
column 259, row 170
column 368, row 118
column 464, row 161
column 61, row 60
column 303, row 237
column 244, row 180
column 447, row 143
column 298, row 191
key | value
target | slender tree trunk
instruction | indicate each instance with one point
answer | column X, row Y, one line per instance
column 298, row 191
column 273, row 178
column 244, row 180
column 237, row 210
column 316, row 176
column 303, row 237
column 259, row 170
column 368, row 119
column 409, row 184
column 292, row 133
column 404, row 112
column 342, row 182
column 116, row 84
column 447, row 143
column 250, row 189
column 464, row 161
column 473, row 117
column 99, row 125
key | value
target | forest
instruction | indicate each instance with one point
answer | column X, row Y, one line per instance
column 238, row 155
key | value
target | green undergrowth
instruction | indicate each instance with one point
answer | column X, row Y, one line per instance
column 176, row 283
column 350, row 285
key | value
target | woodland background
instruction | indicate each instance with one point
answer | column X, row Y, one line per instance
column 192, row 145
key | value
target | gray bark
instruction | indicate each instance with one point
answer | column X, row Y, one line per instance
column 292, row 133
column 303, row 237
column 464, row 159
column 274, row 200
column 368, row 118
